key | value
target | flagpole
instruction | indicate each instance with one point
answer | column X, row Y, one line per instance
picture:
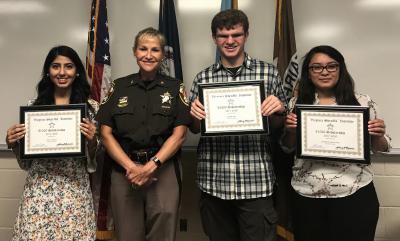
column 235, row 4
column 93, row 60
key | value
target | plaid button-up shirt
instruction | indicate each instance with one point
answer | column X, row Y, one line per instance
column 237, row 167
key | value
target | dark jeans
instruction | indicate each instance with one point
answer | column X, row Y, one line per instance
column 351, row 218
column 238, row 220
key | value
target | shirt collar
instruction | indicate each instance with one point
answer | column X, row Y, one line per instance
column 248, row 63
column 136, row 80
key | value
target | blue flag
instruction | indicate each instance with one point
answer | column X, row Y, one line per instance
column 225, row 4
column 167, row 25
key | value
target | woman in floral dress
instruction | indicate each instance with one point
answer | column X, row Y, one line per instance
column 57, row 202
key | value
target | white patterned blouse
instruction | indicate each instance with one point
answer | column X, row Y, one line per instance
column 329, row 179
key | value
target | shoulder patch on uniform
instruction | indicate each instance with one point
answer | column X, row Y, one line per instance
column 182, row 94
column 109, row 94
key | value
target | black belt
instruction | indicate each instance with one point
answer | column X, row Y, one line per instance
column 142, row 156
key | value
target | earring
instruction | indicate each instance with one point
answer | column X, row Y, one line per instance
column 47, row 74
column 77, row 75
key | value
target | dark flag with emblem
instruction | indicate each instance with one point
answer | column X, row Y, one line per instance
column 98, row 67
column 285, row 58
column 167, row 26
column 285, row 54
column 171, row 66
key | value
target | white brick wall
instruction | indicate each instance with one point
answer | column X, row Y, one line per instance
column 11, row 184
column 387, row 183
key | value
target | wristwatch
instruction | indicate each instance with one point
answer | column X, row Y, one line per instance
column 156, row 161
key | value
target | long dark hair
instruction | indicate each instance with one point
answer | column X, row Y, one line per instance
column 80, row 87
column 344, row 89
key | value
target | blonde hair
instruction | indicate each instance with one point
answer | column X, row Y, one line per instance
column 152, row 33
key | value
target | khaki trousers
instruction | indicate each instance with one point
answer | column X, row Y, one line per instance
column 149, row 213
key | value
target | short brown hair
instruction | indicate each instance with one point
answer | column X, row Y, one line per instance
column 229, row 18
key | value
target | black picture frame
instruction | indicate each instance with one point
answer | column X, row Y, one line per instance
column 55, row 112
column 224, row 87
column 332, row 116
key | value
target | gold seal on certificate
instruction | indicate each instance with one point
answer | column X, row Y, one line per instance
column 338, row 133
column 52, row 131
column 233, row 108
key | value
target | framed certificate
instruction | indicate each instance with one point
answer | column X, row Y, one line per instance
column 233, row 108
column 338, row 133
column 52, row 131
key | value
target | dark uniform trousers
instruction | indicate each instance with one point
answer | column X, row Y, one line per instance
column 147, row 213
column 238, row 220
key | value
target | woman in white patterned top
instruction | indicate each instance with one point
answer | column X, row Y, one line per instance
column 57, row 203
column 332, row 200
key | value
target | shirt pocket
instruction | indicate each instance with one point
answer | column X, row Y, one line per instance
column 162, row 119
column 125, row 119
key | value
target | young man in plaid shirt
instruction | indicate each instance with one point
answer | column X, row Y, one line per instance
column 235, row 173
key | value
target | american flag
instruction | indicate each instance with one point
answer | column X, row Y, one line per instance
column 98, row 67
column 98, row 61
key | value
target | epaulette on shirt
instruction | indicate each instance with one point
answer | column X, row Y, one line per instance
column 182, row 93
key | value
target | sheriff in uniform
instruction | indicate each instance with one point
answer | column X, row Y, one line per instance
column 143, row 124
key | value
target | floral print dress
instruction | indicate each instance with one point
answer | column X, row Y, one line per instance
column 57, row 202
